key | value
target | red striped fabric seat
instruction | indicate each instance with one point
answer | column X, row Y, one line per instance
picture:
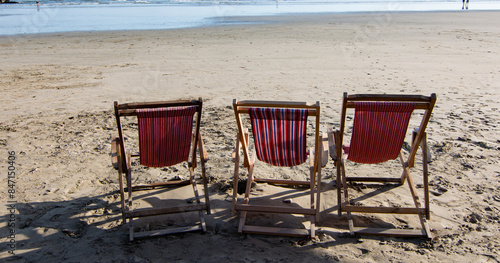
column 379, row 130
column 165, row 135
column 280, row 135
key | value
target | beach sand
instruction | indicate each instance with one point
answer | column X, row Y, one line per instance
column 57, row 93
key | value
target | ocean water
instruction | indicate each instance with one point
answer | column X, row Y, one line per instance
column 50, row 16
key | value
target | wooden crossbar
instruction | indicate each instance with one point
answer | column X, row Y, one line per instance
column 383, row 210
column 276, row 209
column 389, row 232
column 282, row 182
column 143, row 212
column 293, row 232
column 156, row 185
column 167, row 231
column 311, row 112
column 374, row 179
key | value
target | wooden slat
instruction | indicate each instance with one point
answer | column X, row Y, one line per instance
column 311, row 111
column 275, row 231
column 158, row 104
column 390, row 232
column 129, row 109
column 374, row 179
column 276, row 209
column 281, row 104
column 143, row 212
column 282, row 182
column 383, row 210
column 389, row 97
column 419, row 105
column 155, row 185
column 167, row 231
column 153, row 104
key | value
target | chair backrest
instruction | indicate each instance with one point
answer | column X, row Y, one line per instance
column 165, row 135
column 279, row 130
column 381, row 123
column 280, row 135
column 165, row 130
column 379, row 130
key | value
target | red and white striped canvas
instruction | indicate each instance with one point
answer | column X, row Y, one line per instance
column 280, row 135
column 379, row 131
column 165, row 135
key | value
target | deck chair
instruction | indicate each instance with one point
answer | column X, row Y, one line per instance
column 166, row 138
column 279, row 135
column 379, row 128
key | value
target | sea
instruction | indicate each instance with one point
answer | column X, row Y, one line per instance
column 53, row 16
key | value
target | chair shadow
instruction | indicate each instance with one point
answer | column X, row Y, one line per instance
column 41, row 226
column 56, row 231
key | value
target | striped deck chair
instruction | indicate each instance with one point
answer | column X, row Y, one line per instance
column 280, row 140
column 379, row 129
column 166, row 138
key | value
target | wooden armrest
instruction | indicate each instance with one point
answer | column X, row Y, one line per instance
column 129, row 161
column 324, row 149
column 203, row 150
column 238, row 144
column 115, row 146
column 331, row 144
column 236, row 149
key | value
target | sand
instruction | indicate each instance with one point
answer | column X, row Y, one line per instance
column 57, row 93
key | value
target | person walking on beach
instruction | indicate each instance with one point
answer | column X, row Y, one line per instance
column 465, row 3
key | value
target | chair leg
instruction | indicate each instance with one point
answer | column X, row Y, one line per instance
column 131, row 229
column 312, row 185
column 122, row 195
column 197, row 196
column 346, row 197
column 236, row 176
column 205, row 186
column 201, row 148
column 130, row 205
column 425, row 157
column 129, row 182
column 202, row 222
column 247, row 198
column 313, row 226
column 344, row 185
column 318, row 192
column 416, row 201
column 339, row 182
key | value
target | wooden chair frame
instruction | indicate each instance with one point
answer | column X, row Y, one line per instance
column 315, row 161
column 122, row 162
column 419, row 139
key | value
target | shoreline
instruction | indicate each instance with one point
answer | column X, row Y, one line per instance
column 257, row 20
column 83, row 18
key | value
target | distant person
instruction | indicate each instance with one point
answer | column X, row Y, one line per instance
column 465, row 3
